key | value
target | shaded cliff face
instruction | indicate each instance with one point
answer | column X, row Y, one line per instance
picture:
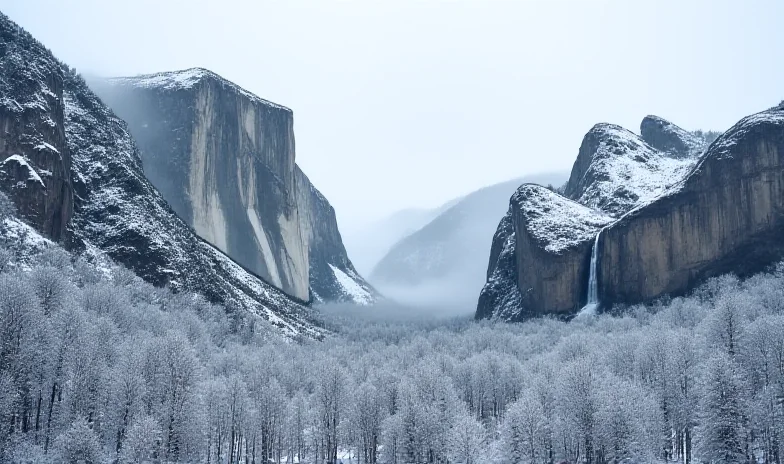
column 615, row 172
column 333, row 277
column 34, row 158
column 500, row 297
column 669, row 138
column 119, row 213
column 224, row 159
column 727, row 216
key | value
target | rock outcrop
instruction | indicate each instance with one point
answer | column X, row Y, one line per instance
column 34, row 159
column 726, row 216
column 669, row 138
column 547, row 240
column 332, row 276
column 615, row 172
column 116, row 210
column 225, row 160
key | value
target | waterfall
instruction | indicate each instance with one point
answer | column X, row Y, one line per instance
column 592, row 302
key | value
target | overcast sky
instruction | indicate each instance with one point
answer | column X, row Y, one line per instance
column 407, row 103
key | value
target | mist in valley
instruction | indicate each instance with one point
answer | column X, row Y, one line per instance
column 314, row 299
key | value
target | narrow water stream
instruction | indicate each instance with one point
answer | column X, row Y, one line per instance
column 592, row 302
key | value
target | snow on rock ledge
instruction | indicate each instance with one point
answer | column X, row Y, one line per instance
column 542, row 256
column 616, row 170
column 23, row 165
column 37, row 178
column 553, row 221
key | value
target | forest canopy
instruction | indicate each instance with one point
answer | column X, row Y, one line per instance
column 98, row 366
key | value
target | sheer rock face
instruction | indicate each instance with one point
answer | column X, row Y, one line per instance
column 333, row 277
column 549, row 251
column 34, row 158
column 224, row 160
column 115, row 210
column 726, row 216
column 669, row 138
column 615, row 172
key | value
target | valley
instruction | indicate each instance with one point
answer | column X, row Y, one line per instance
column 174, row 288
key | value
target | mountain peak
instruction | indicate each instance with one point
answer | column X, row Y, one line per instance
column 669, row 138
column 616, row 170
column 187, row 79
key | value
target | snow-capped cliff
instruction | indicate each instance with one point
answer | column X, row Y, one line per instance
column 617, row 170
column 115, row 208
column 225, row 160
column 541, row 250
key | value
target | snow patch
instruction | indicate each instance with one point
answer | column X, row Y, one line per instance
column 186, row 79
column 358, row 294
column 43, row 146
column 32, row 174
column 628, row 172
column 555, row 221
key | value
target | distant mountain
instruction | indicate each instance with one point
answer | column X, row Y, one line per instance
column 368, row 243
column 444, row 262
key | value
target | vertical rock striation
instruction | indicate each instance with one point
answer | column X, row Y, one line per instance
column 225, row 160
column 114, row 209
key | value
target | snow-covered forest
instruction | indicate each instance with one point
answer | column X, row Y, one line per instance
column 97, row 366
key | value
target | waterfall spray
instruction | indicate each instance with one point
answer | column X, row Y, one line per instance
column 592, row 302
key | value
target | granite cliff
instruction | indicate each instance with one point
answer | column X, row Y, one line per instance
column 36, row 162
column 90, row 193
column 225, row 160
column 726, row 216
column 616, row 171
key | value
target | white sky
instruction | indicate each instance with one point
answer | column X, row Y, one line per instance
column 406, row 103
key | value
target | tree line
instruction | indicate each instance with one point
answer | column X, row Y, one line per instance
column 97, row 366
